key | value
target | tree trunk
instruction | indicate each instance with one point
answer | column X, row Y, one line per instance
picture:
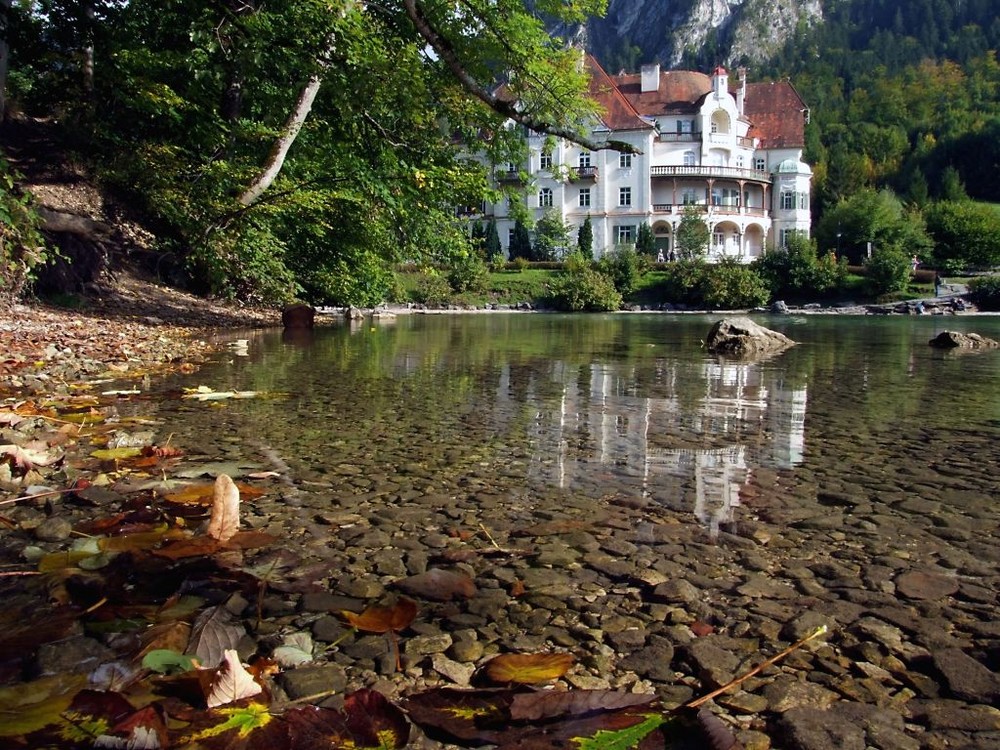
column 276, row 157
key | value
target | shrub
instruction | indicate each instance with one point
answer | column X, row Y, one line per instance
column 22, row 248
column 888, row 270
column 625, row 267
column 432, row 289
column 731, row 284
column 468, row 273
column 683, row 284
column 796, row 272
column 520, row 263
column 984, row 291
column 580, row 288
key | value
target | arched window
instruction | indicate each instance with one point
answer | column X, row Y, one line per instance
column 690, row 159
column 545, row 198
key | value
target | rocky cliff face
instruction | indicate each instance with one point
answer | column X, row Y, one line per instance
column 726, row 31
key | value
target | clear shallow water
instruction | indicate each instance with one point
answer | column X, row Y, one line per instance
column 625, row 405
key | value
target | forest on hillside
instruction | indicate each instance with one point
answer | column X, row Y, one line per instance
column 305, row 150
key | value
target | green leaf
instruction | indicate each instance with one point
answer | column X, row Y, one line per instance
column 165, row 661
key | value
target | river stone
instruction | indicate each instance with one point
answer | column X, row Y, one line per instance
column 71, row 655
column 55, row 529
column 957, row 340
column 741, row 337
column 653, row 661
column 714, row 665
column 967, row 678
column 459, row 673
column 917, row 584
column 786, row 693
column 313, row 680
column 424, row 645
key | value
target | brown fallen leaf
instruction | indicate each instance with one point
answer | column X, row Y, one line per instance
column 383, row 619
column 225, row 520
column 528, row 669
column 439, row 585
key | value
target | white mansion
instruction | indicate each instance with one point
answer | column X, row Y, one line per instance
column 735, row 155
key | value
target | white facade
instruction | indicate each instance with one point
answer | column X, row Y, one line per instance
column 751, row 186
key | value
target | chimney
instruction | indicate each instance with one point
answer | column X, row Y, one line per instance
column 651, row 77
column 741, row 92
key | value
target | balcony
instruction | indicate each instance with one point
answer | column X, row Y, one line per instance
column 730, row 173
column 508, row 175
column 678, row 137
column 583, row 173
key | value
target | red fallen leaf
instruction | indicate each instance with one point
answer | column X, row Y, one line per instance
column 144, row 728
column 383, row 619
column 162, row 451
column 701, row 629
column 367, row 721
column 467, row 717
column 517, row 588
column 197, row 546
column 461, row 534
column 528, row 669
column 439, row 585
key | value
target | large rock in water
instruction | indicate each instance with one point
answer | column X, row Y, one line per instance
column 955, row 340
column 741, row 337
column 298, row 316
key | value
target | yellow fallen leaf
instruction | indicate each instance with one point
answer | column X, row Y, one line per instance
column 225, row 520
column 528, row 669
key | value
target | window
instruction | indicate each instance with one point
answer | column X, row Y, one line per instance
column 625, row 161
column 690, row 159
column 584, row 197
column 545, row 198
column 584, row 160
column 545, row 160
column 626, row 234
column 683, row 126
column 803, row 200
column 787, row 201
column 786, row 233
column 718, row 239
column 625, row 196
column 689, row 197
column 715, row 126
column 510, row 236
column 759, row 163
column 739, row 161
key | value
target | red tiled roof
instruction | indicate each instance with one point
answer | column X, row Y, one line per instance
column 680, row 91
column 617, row 112
column 777, row 114
column 775, row 110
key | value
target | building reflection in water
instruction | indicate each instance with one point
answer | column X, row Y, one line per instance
column 685, row 438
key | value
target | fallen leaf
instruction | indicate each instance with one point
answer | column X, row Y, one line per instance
column 214, row 632
column 517, row 588
column 225, row 520
column 164, row 661
column 203, row 493
column 383, row 619
column 145, row 729
column 295, row 650
column 230, row 683
column 27, row 458
column 528, row 669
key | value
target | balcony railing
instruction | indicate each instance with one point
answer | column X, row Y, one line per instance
column 508, row 175
column 678, row 137
column 733, row 173
column 584, row 173
column 679, row 208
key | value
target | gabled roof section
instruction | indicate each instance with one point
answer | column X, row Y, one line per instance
column 777, row 114
column 617, row 112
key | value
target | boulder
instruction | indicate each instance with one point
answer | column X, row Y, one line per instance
column 779, row 307
column 956, row 340
column 298, row 316
column 741, row 337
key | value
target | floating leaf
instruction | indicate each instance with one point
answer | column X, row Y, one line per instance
column 528, row 669
column 203, row 493
column 383, row 619
column 225, row 520
column 204, row 393
column 29, row 706
column 230, row 683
